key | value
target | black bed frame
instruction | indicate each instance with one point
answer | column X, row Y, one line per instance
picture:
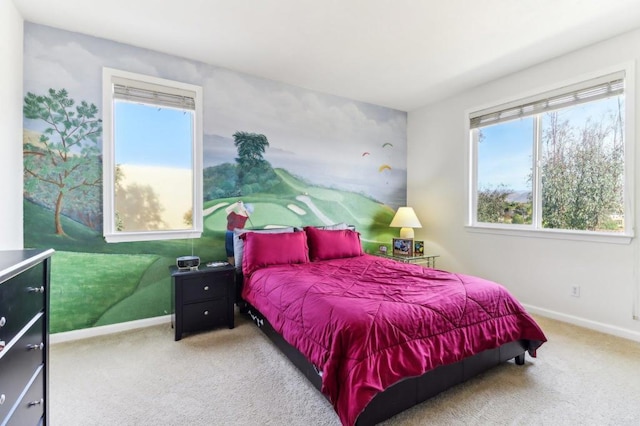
column 405, row 393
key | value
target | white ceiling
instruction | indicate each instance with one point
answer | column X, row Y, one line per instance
column 401, row 54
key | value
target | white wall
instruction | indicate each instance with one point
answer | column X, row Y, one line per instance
column 11, row 52
column 539, row 272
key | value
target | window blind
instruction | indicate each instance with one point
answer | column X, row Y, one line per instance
column 148, row 93
column 588, row 91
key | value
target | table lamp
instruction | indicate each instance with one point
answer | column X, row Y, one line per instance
column 406, row 220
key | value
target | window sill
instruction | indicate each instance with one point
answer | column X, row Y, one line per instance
column 603, row 237
column 122, row 237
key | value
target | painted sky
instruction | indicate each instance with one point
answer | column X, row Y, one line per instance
column 320, row 135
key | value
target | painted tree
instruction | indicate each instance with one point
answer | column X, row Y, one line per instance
column 255, row 174
column 66, row 159
column 220, row 181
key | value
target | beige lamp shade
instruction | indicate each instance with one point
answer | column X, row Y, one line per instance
column 406, row 220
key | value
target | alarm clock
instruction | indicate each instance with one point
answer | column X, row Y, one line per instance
column 188, row 263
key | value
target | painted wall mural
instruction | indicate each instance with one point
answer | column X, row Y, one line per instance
column 321, row 160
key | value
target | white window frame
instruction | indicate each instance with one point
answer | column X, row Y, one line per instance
column 472, row 225
column 110, row 232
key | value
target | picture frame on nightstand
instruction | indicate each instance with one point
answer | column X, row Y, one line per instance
column 418, row 248
column 403, row 247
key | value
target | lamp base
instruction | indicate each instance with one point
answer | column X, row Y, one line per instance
column 406, row 233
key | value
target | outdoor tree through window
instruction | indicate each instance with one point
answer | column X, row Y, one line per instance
column 553, row 162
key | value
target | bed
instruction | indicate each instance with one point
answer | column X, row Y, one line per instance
column 376, row 336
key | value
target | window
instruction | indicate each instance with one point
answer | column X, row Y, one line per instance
column 152, row 158
column 556, row 162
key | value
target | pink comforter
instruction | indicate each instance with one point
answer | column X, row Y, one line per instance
column 366, row 322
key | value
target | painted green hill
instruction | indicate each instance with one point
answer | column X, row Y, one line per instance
column 95, row 283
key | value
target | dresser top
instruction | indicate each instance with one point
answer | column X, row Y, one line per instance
column 12, row 262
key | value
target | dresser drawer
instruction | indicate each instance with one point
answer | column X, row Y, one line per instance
column 21, row 298
column 204, row 315
column 30, row 409
column 19, row 362
column 206, row 286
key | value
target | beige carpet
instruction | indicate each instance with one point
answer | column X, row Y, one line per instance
column 237, row 377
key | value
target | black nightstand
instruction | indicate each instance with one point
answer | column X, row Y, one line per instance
column 203, row 298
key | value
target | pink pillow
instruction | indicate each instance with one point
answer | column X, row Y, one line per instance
column 262, row 250
column 332, row 244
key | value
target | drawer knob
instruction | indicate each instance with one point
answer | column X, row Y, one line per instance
column 2, row 399
column 35, row 347
column 206, row 312
column 36, row 289
column 37, row 402
column 3, row 321
column 206, row 288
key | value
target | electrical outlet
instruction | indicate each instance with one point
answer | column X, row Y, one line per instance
column 575, row 290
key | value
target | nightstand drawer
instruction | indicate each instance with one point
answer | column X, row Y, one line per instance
column 203, row 287
column 204, row 315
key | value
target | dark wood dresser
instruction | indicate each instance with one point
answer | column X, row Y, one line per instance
column 24, row 336
column 203, row 298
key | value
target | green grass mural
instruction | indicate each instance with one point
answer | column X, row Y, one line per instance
column 299, row 157
column 94, row 283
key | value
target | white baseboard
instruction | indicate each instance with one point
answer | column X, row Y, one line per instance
column 166, row 319
column 102, row 330
column 586, row 323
